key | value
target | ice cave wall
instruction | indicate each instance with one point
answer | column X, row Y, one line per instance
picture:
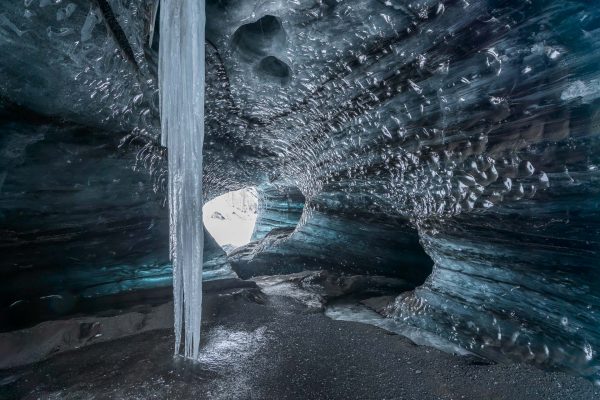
column 77, row 220
column 326, row 234
column 467, row 131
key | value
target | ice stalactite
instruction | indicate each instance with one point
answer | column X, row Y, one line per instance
column 181, row 71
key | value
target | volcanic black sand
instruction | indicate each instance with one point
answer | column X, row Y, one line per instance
column 272, row 347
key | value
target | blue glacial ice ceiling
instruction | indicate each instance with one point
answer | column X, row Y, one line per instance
column 444, row 142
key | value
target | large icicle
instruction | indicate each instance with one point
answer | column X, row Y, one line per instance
column 181, row 74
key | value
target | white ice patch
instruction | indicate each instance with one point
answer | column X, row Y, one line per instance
column 586, row 91
column 308, row 298
column 278, row 285
column 360, row 313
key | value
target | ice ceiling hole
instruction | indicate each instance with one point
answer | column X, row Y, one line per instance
column 258, row 39
column 230, row 218
column 274, row 69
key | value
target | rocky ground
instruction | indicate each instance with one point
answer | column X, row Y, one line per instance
column 269, row 346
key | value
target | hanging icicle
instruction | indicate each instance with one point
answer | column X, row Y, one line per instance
column 181, row 74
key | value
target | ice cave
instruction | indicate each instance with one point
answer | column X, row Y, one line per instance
column 300, row 199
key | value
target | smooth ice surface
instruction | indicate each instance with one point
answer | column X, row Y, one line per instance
column 181, row 70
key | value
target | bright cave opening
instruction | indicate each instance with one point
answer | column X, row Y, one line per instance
column 230, row 218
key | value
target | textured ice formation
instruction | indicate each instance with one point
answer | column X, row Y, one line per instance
column 453, row 144
column 475, row 123
column 181, row 78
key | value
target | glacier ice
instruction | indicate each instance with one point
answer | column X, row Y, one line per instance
column 454, row 144
column 181, row 79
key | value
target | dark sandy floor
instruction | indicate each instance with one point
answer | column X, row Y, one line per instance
column 280, row 350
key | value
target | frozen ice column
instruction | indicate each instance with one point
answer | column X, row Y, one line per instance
column 181, row 75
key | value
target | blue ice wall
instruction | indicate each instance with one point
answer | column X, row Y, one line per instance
column 463, row 134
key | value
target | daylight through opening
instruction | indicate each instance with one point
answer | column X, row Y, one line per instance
column 230, row 218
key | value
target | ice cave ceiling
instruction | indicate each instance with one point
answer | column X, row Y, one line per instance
column 444, row 142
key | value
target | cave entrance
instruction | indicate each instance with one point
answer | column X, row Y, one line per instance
column 230, row 218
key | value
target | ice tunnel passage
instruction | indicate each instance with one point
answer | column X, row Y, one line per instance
column 448, row 144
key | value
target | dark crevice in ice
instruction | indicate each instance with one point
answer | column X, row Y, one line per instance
column 117, row 31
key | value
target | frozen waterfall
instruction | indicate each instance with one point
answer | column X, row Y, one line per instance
column 181, row 74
